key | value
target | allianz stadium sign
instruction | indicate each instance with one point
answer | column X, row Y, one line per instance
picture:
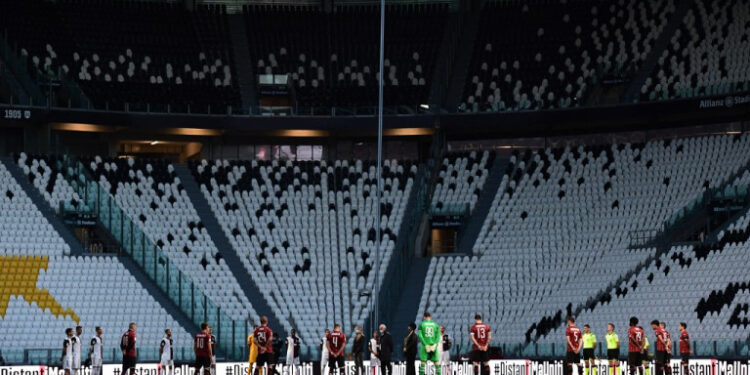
column 497, row 367
column 727, row 102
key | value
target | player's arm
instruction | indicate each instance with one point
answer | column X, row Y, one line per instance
column 489, row 338
column 570, row 343
column 65, row 346
column 690, row 347
column 474, row 339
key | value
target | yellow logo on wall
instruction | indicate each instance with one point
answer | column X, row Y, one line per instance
column 19, row 277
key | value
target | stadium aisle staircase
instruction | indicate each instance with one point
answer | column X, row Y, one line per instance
column 43, row 206
column 242, row 62
column 474, row 226
column 409, row 301
column 227, row 250
column 660, row 45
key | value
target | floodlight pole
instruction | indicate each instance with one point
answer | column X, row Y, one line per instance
column 378, row 170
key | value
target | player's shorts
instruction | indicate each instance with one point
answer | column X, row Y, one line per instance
column 667, row 358
column 337, row 362
column 445, row 357
column 67, row 364
column 660, row 356
column 166, row 361
column 264, row 359
column 204, row 362
column 644, row 356
column 613, row 354
column 127, row 364
column 572, row 357
column 634, row 359
column 480, row 356
column 588, row 354
column 374, row 361
column 685, row 357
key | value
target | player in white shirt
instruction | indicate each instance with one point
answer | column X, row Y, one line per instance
column 324, row 353
column 95, row 352
column 77, row 351
column 374, row 352
column 292, row 351
column 213, row 350
column 444, row 355
column 67, row 351
column 166, row 353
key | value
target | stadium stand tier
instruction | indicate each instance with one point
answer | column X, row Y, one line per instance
column 305, row 232
column 540, row 55
column 143, row 53
column 707, row 55
column 461, row 179
column 43, row 291
column 333, row 58
column 558, row 230
column 152, row 196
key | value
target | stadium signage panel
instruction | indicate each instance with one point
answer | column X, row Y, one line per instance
column 16, row 114
column 497, row 367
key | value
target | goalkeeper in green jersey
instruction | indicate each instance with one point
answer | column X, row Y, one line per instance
column 430, row 337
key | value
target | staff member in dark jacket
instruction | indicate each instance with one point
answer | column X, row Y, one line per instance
column 358, row 349
column 410, row 349
column 386, row 351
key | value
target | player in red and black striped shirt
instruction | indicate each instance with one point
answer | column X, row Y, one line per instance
column 635, row 346
column 127, row 344
column 263, row 336
column 668, row 359
column 685, row 349
column 573, row 337
column 336, row 341
column 661, row 347
column 203, row 350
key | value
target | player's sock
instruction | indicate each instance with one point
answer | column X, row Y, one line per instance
column 595, row 370
column 586, row 370
column 647, row 369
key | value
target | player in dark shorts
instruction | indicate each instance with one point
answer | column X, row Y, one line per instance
column 573, row 336
column 203, row 351
column 635, row 347
column 589, row 347
column 263, row 339
column 668, row 354
column 685, row 348
column 127, row 345
column 613, row 349
column 660, row 357
column 336, row 341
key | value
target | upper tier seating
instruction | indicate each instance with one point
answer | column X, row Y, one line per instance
column 44, row 174
column 540, row 54
column 23, row 228
column 707, row 55
column 306, row 231
column 333, row 57
column 461, row 179
column 558, row 229
column 153, row 198
column 139, row 53
column 98, row 290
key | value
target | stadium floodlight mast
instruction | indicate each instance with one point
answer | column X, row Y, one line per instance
column 378, row 174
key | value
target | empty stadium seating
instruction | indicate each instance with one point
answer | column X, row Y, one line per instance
column 153, row 198
column 24, row 230
column 98, row 290
column 715, row 311
column 306, row 231
column 707, row 55
column 461, row 179
column 44, row 174
column 148, row 55
column 558, row 230
column 539, row 55
column 328, row 69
